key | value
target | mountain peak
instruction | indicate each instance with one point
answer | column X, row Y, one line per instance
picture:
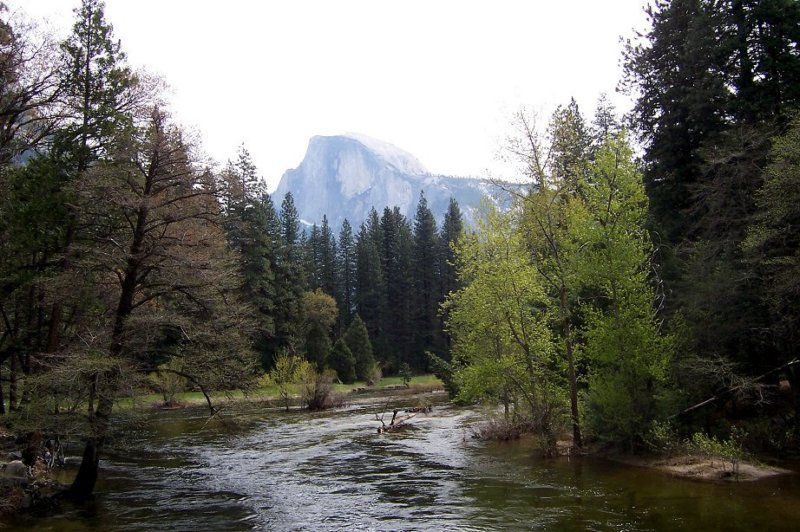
column 399, row 158
column 344, row 176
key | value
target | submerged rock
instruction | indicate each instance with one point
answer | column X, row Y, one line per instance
column 15, row 469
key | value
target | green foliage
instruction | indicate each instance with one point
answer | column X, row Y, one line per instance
column 559, row 285
column 446, row 372
column 773, row 240
column 503, row 350
column 621, row 334
column 374, row 375
column 663, row 438
column 168, row 381
column 318, row 345
column 729, row 451
column 357, row 339
column 319, row 308
column 317, row 388
column 405, row 373
column 426, row 282
column 715, row 81
column 342, row 361
column 287, row 373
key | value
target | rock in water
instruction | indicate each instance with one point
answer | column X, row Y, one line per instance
column 15, row 469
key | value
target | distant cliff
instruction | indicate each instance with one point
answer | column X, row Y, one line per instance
column 345, row 176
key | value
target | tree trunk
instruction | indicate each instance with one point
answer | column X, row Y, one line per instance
column 82, row 487
column 2, row 398
column 793, row 376
column 573, row 381
column 26, row 371
column 12, row 384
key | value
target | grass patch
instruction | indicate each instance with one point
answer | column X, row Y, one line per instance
column 418, row 384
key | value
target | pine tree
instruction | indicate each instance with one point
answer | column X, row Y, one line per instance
column 346, row 275
column 318, row 345
column 395, row 257
column 426, row 285
column 452, row 230
column 248, row 219
column 98, row 87
column 327, row 258
column 569, row 145
column 290, row 280
column 604, row 124
column 357, row 339
column 370, row 284
column 715, row 82
column 342, row 361
column 311, row 249
column 773, row 246
column 681, row 105
column 373, row 224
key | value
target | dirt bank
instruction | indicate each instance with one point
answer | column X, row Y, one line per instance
column 703, row 468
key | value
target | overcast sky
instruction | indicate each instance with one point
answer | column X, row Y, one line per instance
column 437, row 78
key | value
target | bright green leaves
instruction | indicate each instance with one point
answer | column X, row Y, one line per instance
column 557, row 296
column 499, row 320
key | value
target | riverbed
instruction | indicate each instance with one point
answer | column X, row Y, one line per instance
column 273, row 470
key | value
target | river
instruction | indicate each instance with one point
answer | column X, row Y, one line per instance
column 272, row 470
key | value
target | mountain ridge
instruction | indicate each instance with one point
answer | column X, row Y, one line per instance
column 345, row 176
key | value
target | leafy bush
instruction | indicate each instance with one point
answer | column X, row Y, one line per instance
column 168, row 382
column 444, row 370
column 287, row 374
column 728, row 451
column 663, row 438
column 405, row 373
column 374, row 375
column 317, row 388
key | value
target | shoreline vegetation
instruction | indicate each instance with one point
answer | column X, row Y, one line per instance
column 272, row 394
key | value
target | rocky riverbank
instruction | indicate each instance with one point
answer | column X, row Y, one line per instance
column 24, row 487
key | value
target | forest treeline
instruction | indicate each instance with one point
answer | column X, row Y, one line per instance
column 308, row 285
column 617, row 292
column 621, row 291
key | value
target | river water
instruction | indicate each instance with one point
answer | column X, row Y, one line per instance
column 272, row 470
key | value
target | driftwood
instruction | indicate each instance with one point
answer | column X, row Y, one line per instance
column 399, row 422
column 733, row 389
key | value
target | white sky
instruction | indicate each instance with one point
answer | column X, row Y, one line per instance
column 439, row 78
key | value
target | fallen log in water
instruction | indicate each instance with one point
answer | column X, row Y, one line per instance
column 399, row 422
